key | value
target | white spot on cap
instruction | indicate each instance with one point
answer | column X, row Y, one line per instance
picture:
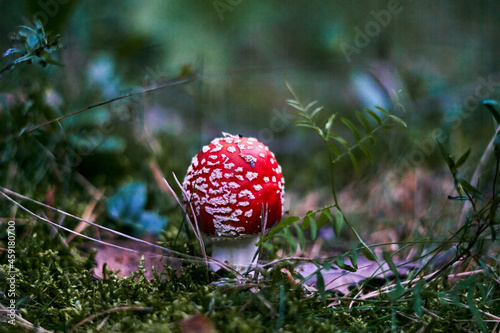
column 214, row 157
column 251, row 175
column 262, row 155
column 274, row 179
column 248, row 158
column 233, row 185
column 231, row 149
column 246, row 193
column 217, row 147
column 216, row 174
column 240, row 178
column 205, row 170
column 214, row 210
column 229, row 165
column 194, row 162
column 238, row 169
column 212, row 163
column 205, row 149
column 201, row 187
column 266, row 179
column 257, row 187
column 243, row 203
column 249, row 213
column 228, row 175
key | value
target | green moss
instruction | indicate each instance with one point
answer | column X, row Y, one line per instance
column 55, row 290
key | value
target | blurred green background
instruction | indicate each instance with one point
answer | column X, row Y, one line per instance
column 432, row 57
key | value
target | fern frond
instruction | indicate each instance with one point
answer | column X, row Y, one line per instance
column 362, row 119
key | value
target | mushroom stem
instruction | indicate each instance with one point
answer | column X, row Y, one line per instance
column 239, row 253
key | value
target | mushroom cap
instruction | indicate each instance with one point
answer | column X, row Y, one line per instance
column 229, row 182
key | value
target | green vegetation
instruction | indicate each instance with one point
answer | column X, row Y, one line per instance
column 100, row 103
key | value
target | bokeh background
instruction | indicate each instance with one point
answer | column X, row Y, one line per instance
column 437, row 59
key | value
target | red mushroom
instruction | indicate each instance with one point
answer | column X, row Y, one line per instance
column 229, row 184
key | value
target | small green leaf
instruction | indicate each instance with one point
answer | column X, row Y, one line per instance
column 447, row 157
column 368, row 253
column 340, row 140
column 462, row 159
column 300, row 236
column 316, row 111
column 374, row 116
column 296, row 106
column 353, row 256
column 323, row 218
column 470, row 189
column 339, row 261
column 305, row 124
column 310, row 105
column 307, row 220
column 366, row 151
column 332, row 148
column 290, row 239
column 329, row 123
column 387, row 126
column 364, row 122
column 372, row 140
column 283, row 224
column 314, row 229
column 320, row 285
column 397, row 120
column 384, row 111
column 338, row 223
column 352, row 127
column 354, row 162
column 388, row 259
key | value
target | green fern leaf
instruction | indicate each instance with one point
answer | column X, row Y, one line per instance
column 316, row 111
column 397, row 120
column 332, row 148
column 339, row 221
column 354, row 163
column 305, row 124
column 372, row 140
column 314, row 229
column 366, row 151
column 364, row 122
column 384, row 111
column 329, row 123
column 340, row 140
column 310, row 105
column 374, row 116
column 353, row 128
column 300, row 236
column 307, row 219
column 324, row 217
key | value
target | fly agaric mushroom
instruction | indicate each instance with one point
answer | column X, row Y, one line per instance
column 236, row 188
